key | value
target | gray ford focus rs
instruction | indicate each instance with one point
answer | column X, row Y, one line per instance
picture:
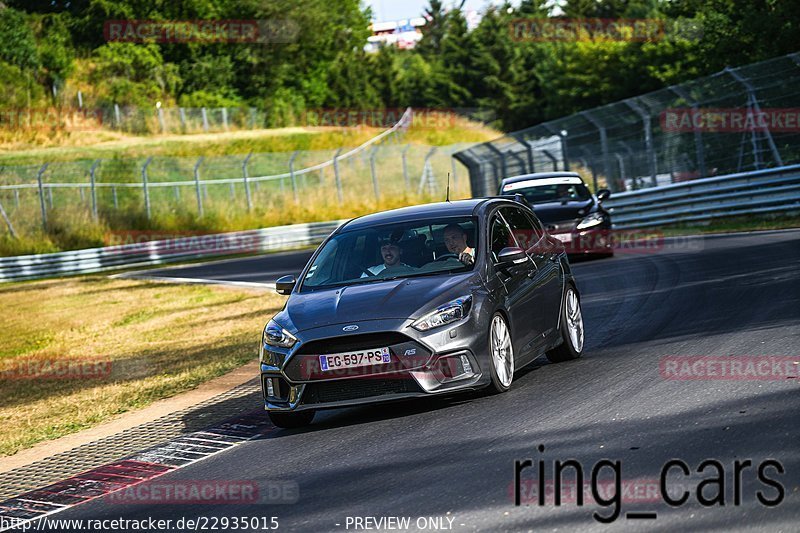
column 419, row 301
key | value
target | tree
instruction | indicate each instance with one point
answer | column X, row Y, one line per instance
column 133, row 74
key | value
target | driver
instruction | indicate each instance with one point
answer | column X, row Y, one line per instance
column 391, row 253
column 564, row 192
column 455, row 238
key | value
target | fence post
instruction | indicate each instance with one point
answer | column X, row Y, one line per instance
column 94, row 188
column 8, row 221
column 161, row 120
column 205, row 118
column 16, row 198
column 197, row 186
column 698, row 136
column 144, row 187
column 182, row 114
column 603, row 147
column 336, row 174
column 41, row 195
column 291, row 175
column 621, row 163
column 246, row 181
column 405, row 165
column 648, row 140
column 225, row 118
column 374, row 174
column 753, row 102
column 117, row 117
column 427, row 175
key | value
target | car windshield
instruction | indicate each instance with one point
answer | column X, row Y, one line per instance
column 550, row 192
column 401, row 250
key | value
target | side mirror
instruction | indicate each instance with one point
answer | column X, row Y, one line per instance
column 603, row 195
column 285, row 284
column 510, row 256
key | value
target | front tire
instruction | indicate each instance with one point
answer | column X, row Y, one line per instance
column 290, row 420
column 571, row 346
column 502, row 354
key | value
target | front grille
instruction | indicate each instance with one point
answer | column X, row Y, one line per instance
column 346, row 343
column 354, row 389
column 406, row 354
column 563, row 226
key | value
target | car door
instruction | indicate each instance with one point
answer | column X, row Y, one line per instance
column 543, row 286
column 515, row 279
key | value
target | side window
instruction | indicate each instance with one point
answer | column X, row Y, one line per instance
column 526, row 232
column 501, row 237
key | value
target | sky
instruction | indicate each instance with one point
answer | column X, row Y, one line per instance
column 386, row 10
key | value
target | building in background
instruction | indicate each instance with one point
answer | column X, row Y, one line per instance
column 403, row 34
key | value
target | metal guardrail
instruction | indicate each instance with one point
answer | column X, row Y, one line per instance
column 28, row 267
column 763, row 191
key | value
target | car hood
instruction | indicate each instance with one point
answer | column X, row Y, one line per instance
column 556, row 211
column 399, row 298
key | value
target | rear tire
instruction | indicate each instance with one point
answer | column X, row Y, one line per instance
column 291, row 420
column 571, row 346
column 501, row 354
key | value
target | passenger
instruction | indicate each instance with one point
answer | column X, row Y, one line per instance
column 455, row 238
column 391, row 253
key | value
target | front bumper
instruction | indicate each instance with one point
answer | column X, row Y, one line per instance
column 421, row 365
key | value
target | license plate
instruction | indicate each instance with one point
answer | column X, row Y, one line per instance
column 377, row 356
column 563, row 237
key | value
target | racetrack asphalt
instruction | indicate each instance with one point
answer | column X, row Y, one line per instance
column 735, row 295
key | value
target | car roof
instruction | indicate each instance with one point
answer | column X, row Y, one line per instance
column 538, row 176
column 455, row 208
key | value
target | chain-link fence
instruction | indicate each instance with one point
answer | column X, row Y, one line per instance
column 147, row 188
column 736, row 120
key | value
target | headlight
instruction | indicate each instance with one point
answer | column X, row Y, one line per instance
column 449, row 312
column 592, row 220
column 274, row 335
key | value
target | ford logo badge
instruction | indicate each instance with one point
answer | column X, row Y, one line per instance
column 350, row 328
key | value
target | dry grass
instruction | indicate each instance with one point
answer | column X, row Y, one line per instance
column 36, row 147
column 155, row 341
